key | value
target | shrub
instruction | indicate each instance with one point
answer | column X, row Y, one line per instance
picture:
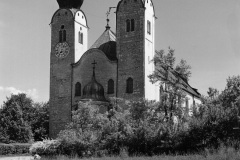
column 16, row 148
column 46, row 147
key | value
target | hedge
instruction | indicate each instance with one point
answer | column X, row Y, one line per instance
column 14, row 148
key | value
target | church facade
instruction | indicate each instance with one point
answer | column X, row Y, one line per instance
column 116, row 65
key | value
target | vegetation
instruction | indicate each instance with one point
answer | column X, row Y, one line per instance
column 142, row 129
column 171, row 78
column 15, row 148
column 23, row 121
column 222, row 154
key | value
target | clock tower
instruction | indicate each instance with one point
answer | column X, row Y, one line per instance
column 69, row 38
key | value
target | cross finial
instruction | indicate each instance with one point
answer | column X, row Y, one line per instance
column 107, row 27
column 94, row 66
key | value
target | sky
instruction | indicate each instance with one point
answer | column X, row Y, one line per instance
column 206, row 33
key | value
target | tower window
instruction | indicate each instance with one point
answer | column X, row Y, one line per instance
column 80, row 37
column 78, row 89
column 62, row 34
column 148, row 27
column 129, row 85
column 130, row 25
column 110, row 86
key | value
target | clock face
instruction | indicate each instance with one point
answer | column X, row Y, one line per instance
column 62, row 50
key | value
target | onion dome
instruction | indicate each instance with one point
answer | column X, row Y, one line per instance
column 93, row 90
column 70, row 3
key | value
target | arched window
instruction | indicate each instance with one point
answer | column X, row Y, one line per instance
column 132, row 25
column 128, row 25
column 129, row 85
column 62, row 34
column 80, row 37
column 110, row 86
column 78, row 89
column 148, row 27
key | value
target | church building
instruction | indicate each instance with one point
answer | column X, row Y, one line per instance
column 116, row 65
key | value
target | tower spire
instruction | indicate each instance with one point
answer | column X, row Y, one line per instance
column 107, row 26
column 108, row 13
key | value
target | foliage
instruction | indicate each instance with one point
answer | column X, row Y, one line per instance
column 45, row 147
column 224, row 153
column 83, row 132
column 13, row 125
column 231, row 95
column 40, row 124
column 16, row 148
column 171, row 78
column 22, row 120
column 142, row 128
column 212, row 92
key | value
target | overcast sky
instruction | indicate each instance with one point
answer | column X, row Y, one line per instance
column 206, row 33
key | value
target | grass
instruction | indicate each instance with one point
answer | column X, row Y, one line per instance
column 222, row 154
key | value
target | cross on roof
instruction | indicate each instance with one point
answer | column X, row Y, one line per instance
column 108, row 12
column 94, row 64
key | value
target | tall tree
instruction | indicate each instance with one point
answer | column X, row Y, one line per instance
column 231, row 94
column 12, row 124
column 22, row 119
column 172, row 77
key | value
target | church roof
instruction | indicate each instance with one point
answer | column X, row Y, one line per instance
column 173, row 76
column 107, row 43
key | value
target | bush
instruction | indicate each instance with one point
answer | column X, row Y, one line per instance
column 16, row 148
column 46, row 147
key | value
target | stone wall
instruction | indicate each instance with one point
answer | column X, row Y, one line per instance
column 130, row 48
column 60, row 73
column 83, row 71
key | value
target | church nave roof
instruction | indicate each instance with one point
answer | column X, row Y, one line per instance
column 107, row 43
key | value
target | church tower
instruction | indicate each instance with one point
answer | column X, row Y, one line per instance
column 69, row 38
column 135, row 49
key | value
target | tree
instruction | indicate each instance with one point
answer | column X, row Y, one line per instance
column 12, row 124
column 22, row 119
column 172, row 77
column 231, row 94
column 40, row 124
column 212, row 92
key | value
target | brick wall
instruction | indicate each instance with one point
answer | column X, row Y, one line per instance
column 60, row 73
column 130, row 48
column 105, row 70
